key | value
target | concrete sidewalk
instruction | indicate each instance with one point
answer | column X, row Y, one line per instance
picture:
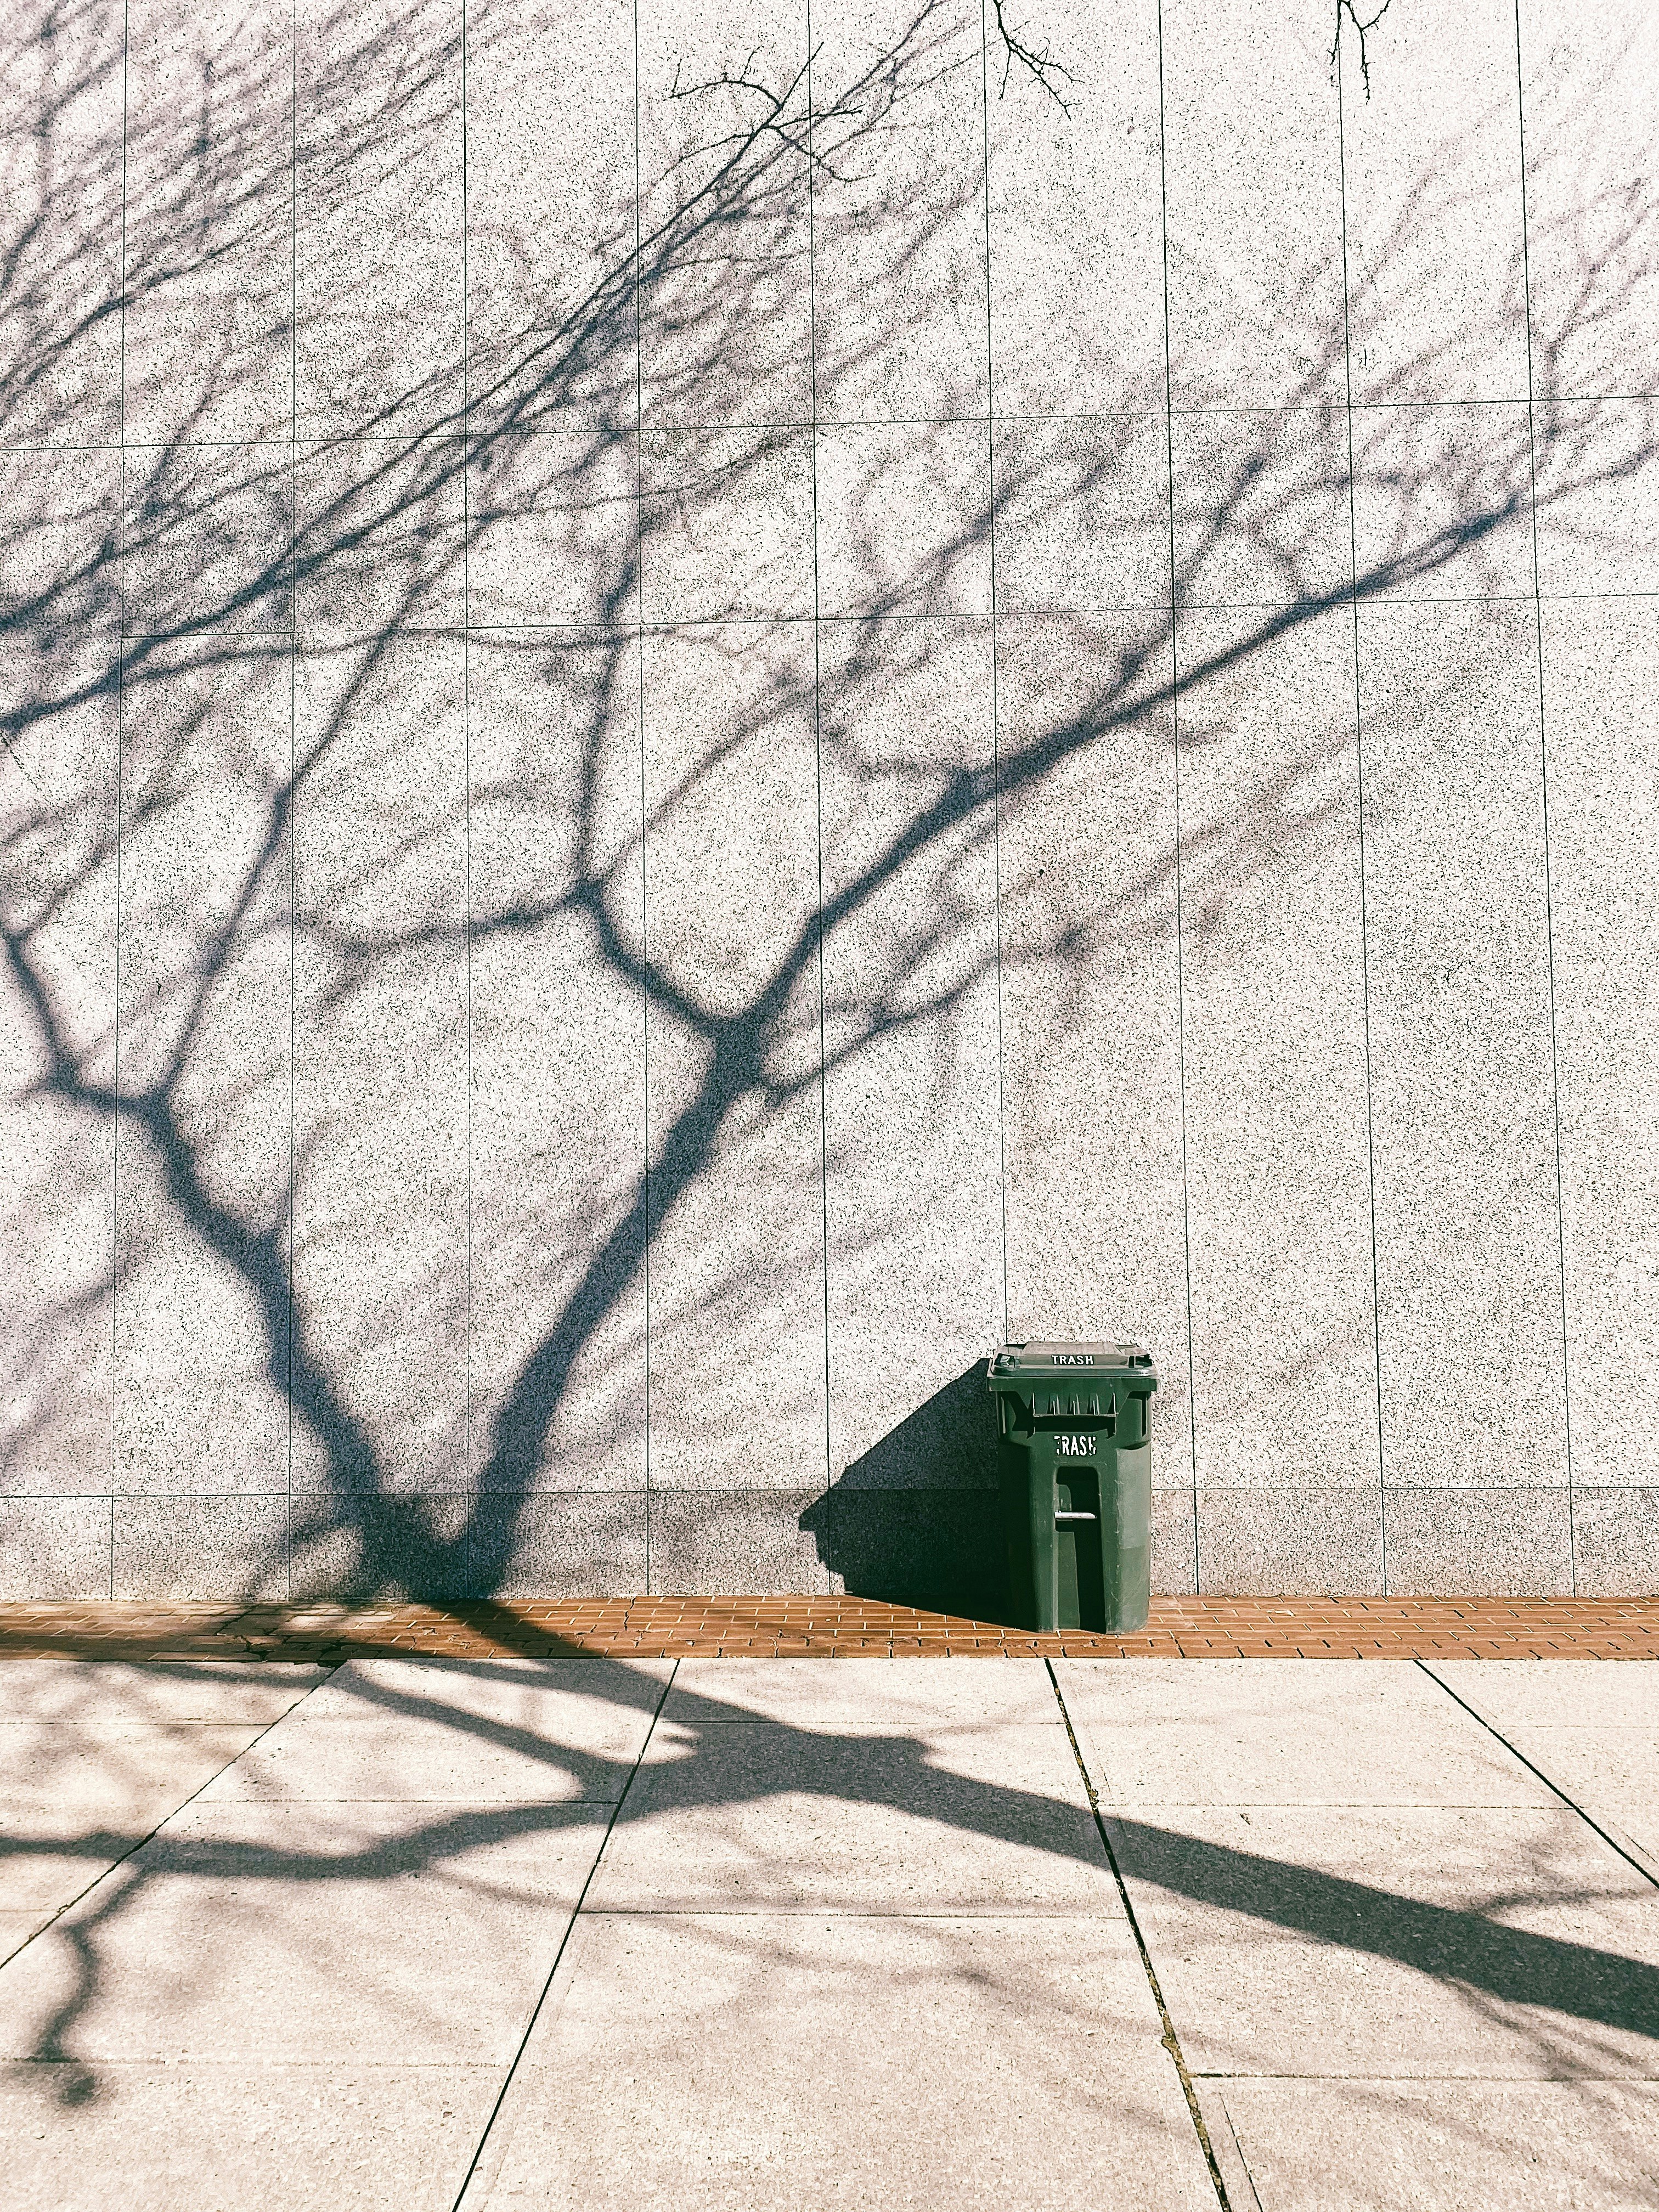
column 429, row 1932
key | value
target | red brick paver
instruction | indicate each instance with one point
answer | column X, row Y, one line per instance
column 836, row 1627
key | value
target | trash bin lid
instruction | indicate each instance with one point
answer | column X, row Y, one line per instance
column 1060, row 1357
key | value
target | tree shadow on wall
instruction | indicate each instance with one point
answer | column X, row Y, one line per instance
column 377, row 1246
column 914, row 1520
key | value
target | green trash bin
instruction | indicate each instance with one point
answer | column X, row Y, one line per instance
column 1074, row 1467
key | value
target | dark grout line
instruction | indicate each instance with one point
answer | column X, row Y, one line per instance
column 996, row 726
column 1175, row 754
column 293, row 734
column 327, row 1669
column 1360, row 818
column 1106, row 412
column 273, row 444
column 1571, row 1803
column 830, row 1509
column 576, row 1912
column 1171, row 2040
column 1544, row 794
column 649, row 1226
column 471, row 1523
column 120, row 762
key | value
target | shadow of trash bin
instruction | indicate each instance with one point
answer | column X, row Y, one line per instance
column 916, row 1519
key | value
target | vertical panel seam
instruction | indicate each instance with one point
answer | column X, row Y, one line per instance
column 293, row 721
column 474, row 1503
column 645, row 943
column 1544, row 804
column 817, row 757
column 1175, row 754
column 1359, row 789
column 996, row 731
column 120, row 770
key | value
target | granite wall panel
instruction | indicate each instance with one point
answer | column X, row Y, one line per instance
column 206, row 533
column 560, row 1544
column 725, row 292
column 1258, row 1542
column 1596, row 484
column 1615, row 1539
column 1599, row 662
column 62, row 82
column 1431, row 164
column 552, row 533
column 732, row 1541
column 1071, row 168
column 380, row 537
column 1253, row 207
column 1591, row 93
column 54, row 1550
column 1467, row 1226
column 207, row 223
column 181, row 1549
column 381, row 1096
column 903, row 519
column 915, row 1256
column 1283, row 1329
column 549, row 187
column 899, row 264
column 939, row 1549
column 58, row 1029
column 1175, row 1545
column 737, row 1352
column 378, row 245
column 370, row 1544
column 725, row 520
column 1095, row 1234
column 1474, row 1542
column 1082, row 513
column 557, row 1359
column 1442, row 501
column 1259, row 507
column 202, row 1197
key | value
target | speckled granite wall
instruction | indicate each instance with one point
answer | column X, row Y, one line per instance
column 704, row 704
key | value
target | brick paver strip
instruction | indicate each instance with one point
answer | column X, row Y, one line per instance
column 832, row 1627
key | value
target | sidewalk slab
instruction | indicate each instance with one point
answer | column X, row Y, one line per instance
column 511, row 1692
column 1284, row 1732
column 88, row 1769
column 1409, row 1941
column 1403, row 1971
column 155, row 2138
column 1593, row 1730
column 105, row 1691
column 743, row 2061
column 854, row 1938
column 510, row 1731
column 54, row 1852
column 865, row 1697
column 1586, row 1694
column 766, row 1816
column 1384, row 2145
column 125, row 1769
column 345, row 1932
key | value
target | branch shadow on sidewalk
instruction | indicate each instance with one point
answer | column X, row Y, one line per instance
column 1574, row 2005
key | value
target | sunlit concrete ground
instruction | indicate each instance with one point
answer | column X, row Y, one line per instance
column 418, row 1933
